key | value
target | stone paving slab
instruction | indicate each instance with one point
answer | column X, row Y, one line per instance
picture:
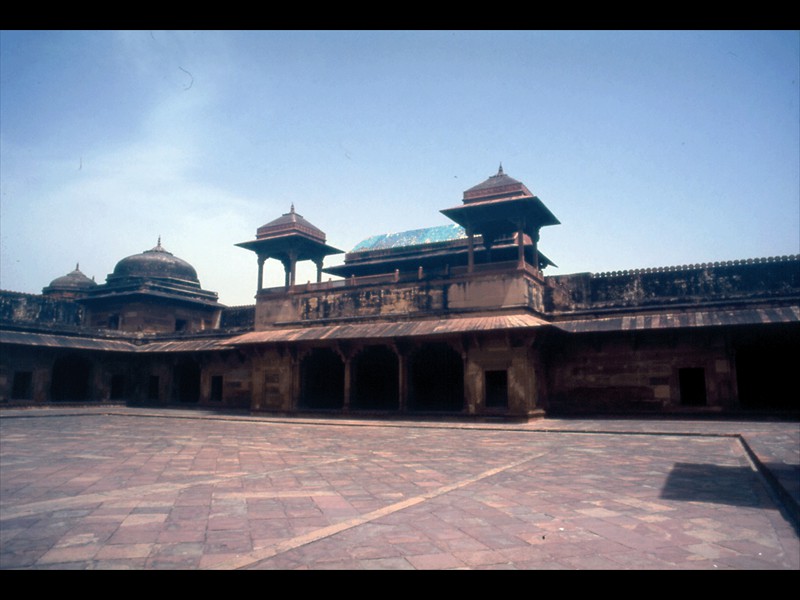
column 125, row 488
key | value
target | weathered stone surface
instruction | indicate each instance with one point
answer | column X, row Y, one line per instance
column 691, row 284
column 451, row 320
column 29, row 308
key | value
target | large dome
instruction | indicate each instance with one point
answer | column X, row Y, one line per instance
column 155, row 263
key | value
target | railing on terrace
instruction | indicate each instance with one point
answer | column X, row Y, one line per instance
column 407, row 277
column 697, row 267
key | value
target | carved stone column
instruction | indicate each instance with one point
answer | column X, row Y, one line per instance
column 346, row 352
column 261, row 260
column 401, row 349
column 292, row 267
column 318, row 263
column 470, row 250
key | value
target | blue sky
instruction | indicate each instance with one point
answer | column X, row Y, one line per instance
column 652, row 148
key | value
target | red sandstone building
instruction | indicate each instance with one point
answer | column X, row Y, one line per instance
column 447, row 320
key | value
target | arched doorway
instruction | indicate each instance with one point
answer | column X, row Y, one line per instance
column 375, row 379
column 436, row 379
column 187, row 381
column 71, row 379
column 322, row 380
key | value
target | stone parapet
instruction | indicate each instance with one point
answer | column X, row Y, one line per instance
column 720, row 282
column 389, row 296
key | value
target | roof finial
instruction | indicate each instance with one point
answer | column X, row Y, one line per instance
column 77, row 266
column 291, row 210
column 500, row 170
column 159, row 247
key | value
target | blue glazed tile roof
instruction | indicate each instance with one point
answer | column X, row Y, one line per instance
column 415, row 237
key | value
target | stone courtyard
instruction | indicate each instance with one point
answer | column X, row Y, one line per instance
column 121, row 488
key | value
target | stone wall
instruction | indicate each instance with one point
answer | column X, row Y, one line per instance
column 365, row 298
column 274, row 380
column 102, row 369
column 518, row 359
column 153, row 316
column 625, row 371
column 766, row 278
column 17, row 307
column 238, row 317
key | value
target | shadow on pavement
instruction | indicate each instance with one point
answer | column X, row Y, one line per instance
column 698, row 482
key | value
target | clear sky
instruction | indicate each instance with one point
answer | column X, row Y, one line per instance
column 651, row 148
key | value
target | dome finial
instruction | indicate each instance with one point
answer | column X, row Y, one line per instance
column 158, row 247
column 77, row 266
column 291, row 210
column 500, row 170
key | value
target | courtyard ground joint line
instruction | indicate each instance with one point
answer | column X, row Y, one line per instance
column 324, row 532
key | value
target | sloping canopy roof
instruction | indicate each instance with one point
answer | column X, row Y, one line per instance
column 280, row 247
column 680, row 320
column 290, row 234
column 53, row 340
column 502, row 214
column 500, row 205
column 430, row 327
column 383, row 330
column 85, row 342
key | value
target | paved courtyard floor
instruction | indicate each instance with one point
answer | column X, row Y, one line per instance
column 125, row 488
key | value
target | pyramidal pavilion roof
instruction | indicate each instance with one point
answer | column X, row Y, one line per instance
column 289, row 223
column 496, row 186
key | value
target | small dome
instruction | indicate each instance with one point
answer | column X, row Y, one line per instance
column 155, row 263
column 75, row 281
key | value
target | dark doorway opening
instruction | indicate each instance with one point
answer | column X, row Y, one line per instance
column 496, row 389
column 216, row 388
column 187, row 379
column 22, row 388
column 71, row 376
column 766, row 370
column 375, row 379
column 692, row 382
column 117, row 387
column 153, row 387
column 322, row 380
column 436, row 379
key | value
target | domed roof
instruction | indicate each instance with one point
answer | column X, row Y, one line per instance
column 289, row 223
column 155, row 263
column 496, row 186
column 75, row 281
